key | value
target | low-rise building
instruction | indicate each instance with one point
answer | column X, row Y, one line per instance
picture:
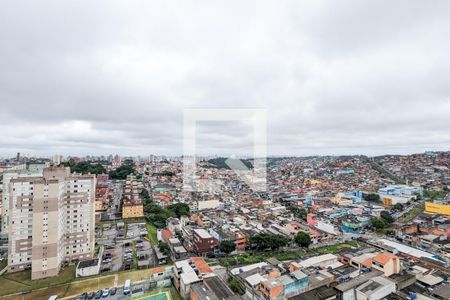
column 203, row 243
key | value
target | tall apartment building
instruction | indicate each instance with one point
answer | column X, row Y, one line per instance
column 31, row 170
column 51, row 221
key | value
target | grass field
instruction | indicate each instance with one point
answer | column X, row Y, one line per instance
column 250, row 258
column 384, row 231
column 412, row 214
column 152, row 234
column 3, row 264
column 43, row 294
column 134, row 276
column 134, row 262
column 21, row 281
column 62, row 285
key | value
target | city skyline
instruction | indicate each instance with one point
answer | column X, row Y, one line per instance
column 13, row 156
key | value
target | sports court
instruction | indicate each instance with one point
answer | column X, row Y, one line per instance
column 159, row 296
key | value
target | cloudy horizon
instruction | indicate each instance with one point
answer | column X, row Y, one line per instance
column 106, row 77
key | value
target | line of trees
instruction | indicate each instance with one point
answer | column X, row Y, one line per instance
column 123, row 171
column 383, row 221
column 158, row 215
column 227, row 246
column 85, row 167
column 303, row 239
column 372, row 197
column 298, row 212
column 268, row 241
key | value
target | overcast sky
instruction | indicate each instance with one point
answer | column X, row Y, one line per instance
column 101, row 77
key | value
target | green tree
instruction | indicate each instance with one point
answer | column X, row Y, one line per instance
column 298, row 212
column 85, row 167
column 157, row 215
column 227, row 246
column 398, row 206
column 179, row 235
column 179, row 209
column 144, row 195
column 264, row 241
column 167, row 173
column 303, row 239
column 163, row 247
column 372, row 197
column 378, row 223
column 387, row 218
column 236, row 286
column 123, row 171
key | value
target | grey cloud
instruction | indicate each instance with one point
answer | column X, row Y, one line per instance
column 104, row 77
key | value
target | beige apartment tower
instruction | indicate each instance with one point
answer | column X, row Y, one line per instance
column 51, row 221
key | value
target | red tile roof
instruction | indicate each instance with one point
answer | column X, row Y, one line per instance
column 201, row 265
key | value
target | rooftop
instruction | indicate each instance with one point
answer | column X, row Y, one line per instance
column 202, row 233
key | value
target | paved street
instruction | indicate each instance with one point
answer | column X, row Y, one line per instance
column 138, row 289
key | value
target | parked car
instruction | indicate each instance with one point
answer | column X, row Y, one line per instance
column 113, row 291
column 91, row 295
column 127, row 287
column 99, row 294
column 105, row 293
column 83, row 296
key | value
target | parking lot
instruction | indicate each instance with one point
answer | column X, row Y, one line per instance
column 131, row 252
column 136, row 290
column 135, row 240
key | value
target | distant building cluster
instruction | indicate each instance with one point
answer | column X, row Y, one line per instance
column 348, row 227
